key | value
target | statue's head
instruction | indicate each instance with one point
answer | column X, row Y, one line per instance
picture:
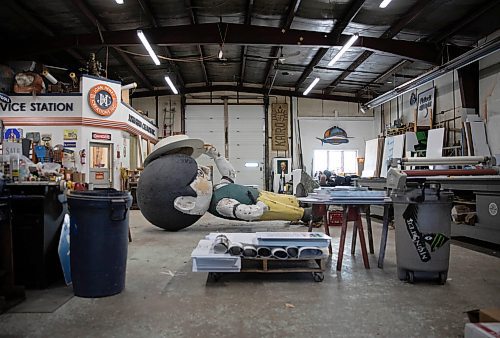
column 173, row 191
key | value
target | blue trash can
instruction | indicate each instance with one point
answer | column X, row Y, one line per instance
column 98, row 241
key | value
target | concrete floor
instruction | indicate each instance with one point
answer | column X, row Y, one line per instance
column 163, row 298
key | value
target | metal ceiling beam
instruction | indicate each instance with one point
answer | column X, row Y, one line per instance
column 192, row 17
column 292, row 11
column 275, row 51
column 352, row 67
column 133, row 67
column 348, row 16
column 146, row 7
column 237, row 34
column 406, row 19
column 391, row 32
column 255, row 90
column 248, row 21
column 457, row 25
column 390, row 71
column 442, row 35
column 94, row 21
column 337, row 30
column 465, row 59
column 40, row 26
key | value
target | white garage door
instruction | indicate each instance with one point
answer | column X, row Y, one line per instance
column 246, row 143
column 206, row 122
column 245, row 138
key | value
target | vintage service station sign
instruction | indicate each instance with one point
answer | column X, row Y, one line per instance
column 102, row 100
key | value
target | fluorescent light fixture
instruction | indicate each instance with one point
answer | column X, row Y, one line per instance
column 119, row 2
column 384, row 3
column 146, row 44
column 344, row 49
column 171, row 85
column 251, row 164
column 311, row 86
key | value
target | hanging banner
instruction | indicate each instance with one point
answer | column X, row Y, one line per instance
column 279, row 126
column 425, row 107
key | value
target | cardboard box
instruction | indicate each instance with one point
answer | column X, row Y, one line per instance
column 484, row 315
column 482, row 330
column 489, row 315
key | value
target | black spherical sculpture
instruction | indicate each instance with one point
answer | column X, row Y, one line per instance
column 162, row 181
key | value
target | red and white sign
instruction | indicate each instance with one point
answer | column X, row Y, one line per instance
column 99, row 136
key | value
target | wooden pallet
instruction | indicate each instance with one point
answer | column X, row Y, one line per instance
column 273, row 265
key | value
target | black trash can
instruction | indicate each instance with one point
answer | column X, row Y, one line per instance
column 98, row 241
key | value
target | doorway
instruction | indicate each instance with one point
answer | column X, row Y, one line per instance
column 100, row 165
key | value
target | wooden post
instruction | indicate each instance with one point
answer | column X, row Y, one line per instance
column 415, row 117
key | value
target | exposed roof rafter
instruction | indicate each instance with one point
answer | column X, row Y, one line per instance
column 275, row 51
column 244, row 48
column 94, row 21
column 391, row 32
column 237, row 34
column 337, row 30
column 192, row 17
column 447, row 32
column 146, row 7
column 23, row 13
column 255, row 90
column 467, row 19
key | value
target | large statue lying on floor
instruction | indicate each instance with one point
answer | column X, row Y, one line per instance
column 174, row 192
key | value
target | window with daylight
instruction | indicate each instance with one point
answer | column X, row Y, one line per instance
column 336, row 161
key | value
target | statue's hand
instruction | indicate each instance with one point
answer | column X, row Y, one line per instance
column 211, row 151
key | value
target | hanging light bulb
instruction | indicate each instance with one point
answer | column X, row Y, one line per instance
column 221, row 53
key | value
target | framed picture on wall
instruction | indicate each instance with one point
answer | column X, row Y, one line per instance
column 283, row 167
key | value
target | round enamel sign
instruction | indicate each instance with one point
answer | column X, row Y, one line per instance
column 102, row 100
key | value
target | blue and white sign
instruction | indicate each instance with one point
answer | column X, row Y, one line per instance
column 69, row 144
column 5, row 98
column 12, row 134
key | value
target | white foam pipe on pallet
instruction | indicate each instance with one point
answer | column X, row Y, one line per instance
column 452, row 160
column 279, row 253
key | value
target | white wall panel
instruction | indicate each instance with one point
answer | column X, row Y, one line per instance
column 489, row 99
